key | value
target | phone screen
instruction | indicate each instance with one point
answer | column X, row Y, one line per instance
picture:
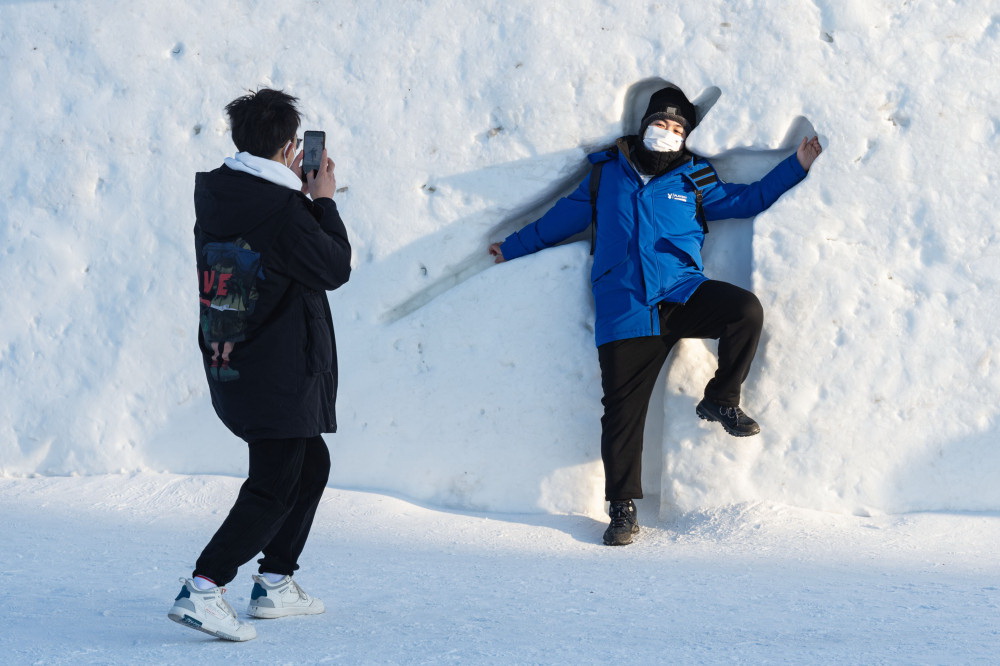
column 312, row 151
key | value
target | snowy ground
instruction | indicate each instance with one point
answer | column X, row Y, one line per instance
column 90, row 569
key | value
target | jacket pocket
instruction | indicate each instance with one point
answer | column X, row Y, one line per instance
column 319, row 338
column 606, row 260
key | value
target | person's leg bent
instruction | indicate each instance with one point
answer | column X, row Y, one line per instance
column 629, row 369
column 735, row 317
column 281, row 554
column 737, row 349
column 265, row 499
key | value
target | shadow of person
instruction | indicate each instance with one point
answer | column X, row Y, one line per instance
column 728, row 250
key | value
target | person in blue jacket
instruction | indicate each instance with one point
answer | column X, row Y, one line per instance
column 651, row 201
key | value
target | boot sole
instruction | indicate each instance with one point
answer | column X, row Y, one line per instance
column 705, row 416
column 635, row 530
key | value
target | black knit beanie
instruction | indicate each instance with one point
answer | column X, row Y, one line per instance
column 669, row 104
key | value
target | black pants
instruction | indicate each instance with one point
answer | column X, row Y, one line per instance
column 273, row 512
column 629, row 369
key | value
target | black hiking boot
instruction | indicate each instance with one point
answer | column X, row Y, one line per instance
column 624, row 523
column 732, row 419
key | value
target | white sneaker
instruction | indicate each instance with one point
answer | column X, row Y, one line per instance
column 271, row 600
column 206, row 610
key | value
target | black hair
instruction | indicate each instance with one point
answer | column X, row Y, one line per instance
column 263, row 121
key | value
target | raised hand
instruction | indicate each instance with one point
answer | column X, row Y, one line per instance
column 324, row 183
column 808, row 151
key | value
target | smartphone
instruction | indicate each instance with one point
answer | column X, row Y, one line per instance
column 312, row 151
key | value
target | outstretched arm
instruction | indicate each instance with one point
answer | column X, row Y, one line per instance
column 732, row 200
column 569, row 216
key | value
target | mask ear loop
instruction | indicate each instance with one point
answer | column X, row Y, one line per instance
column 284, row 150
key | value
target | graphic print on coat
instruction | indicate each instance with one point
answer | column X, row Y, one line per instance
column 228, row 297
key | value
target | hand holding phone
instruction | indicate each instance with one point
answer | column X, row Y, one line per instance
column 312, row 152
column 322, row 183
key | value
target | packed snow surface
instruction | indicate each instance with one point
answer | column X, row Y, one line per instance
column 91, row 567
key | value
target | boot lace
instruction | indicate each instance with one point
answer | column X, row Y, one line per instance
column 620, row 515
column 224, row 603
column 302, row 594
column 734, row 413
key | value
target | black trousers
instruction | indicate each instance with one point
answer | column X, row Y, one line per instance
column 273, row 512
column 629, row 369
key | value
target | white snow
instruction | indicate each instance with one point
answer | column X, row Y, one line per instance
column 405, row 583
column 470, row 391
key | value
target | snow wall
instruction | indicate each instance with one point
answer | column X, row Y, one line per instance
column 476, row 386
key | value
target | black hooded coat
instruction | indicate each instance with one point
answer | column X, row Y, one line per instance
column 266, row 256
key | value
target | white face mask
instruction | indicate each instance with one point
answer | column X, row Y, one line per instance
column 660, row 140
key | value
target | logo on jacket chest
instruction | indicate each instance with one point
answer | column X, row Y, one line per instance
column 677, row 197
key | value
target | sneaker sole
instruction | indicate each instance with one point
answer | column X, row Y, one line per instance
column 705, row 416
column 274, row 613
column 181, row 617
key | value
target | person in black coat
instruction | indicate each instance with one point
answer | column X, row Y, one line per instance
column 266, row 255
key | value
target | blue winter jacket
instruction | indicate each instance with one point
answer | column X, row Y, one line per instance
column 648, row 238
